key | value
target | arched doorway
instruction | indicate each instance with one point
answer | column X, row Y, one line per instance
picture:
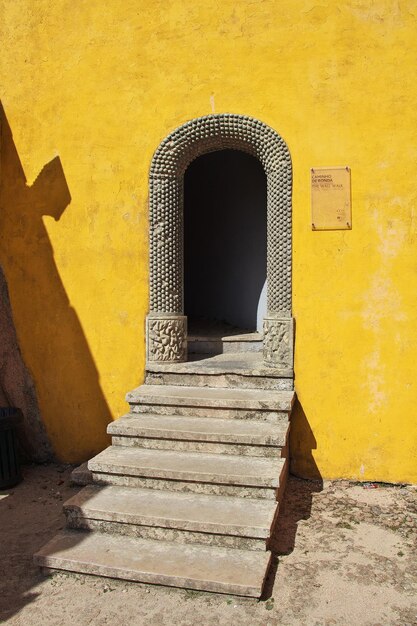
column 225, row 249
column 166, row 322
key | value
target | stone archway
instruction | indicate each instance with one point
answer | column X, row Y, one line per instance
column 166, row 323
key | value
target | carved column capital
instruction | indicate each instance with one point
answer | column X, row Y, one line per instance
column 166, row 338
column 279, row 342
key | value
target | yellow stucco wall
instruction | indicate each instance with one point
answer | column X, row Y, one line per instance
column 89, row 89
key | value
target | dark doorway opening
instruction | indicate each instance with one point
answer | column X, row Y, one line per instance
column 225, row 223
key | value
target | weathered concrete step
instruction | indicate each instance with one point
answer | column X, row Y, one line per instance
column 211, row 468
column 204, row 568
column 239, row 370
column 203, row 411
column 247, row 342
column 188, row 518
column 200, row 429
column 216, row 474
column 81, row 475
column 208, row 447
column 214, row 379
column 201, row 434
column 248, row 399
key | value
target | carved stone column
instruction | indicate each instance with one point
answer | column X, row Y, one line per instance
column 166, row 244
column 279, row 342
column 279, row 242
column 166, row 338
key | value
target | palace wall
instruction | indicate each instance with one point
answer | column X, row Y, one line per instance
column 90, row 89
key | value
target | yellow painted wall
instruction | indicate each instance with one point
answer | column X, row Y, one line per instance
column 89, row 90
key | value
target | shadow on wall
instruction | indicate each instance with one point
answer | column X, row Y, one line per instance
column 50, row 335
column 302, row 444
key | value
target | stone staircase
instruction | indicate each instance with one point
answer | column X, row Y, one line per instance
column 188, row 493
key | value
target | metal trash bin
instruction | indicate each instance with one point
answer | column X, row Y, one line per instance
column 10, row 473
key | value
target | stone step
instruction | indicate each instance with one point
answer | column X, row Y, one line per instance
column 171, row 516
column 81, row 475
column 216, row 474
column 214, row 379
column 204, row 568
column 241, row 370
column 212, row 344
column 215, row 412
column 242, row 414
column 195, row 434
column 243, row 403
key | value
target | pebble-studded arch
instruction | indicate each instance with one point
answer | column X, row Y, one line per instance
column 171, row 159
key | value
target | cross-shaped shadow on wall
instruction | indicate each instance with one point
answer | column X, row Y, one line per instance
column 49, row 333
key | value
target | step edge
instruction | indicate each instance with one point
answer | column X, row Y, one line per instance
column 67, row 563
column 146, row 417
column 198, row 436
column 210, row 528
column 57, row 564
column 92, row 490
column 269, row 392
column 181, row 476
column 222, row 403
column 218, row 370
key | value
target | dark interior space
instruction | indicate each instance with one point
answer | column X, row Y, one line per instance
column 225, row 240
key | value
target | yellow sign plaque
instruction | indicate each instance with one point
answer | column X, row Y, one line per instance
column 331, row 207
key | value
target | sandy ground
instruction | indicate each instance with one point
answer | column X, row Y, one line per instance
column 347, row 556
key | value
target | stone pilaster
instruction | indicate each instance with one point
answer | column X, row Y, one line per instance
column 166, row 338
column 279, row 342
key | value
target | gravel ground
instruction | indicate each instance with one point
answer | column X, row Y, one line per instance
column 346, row 555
